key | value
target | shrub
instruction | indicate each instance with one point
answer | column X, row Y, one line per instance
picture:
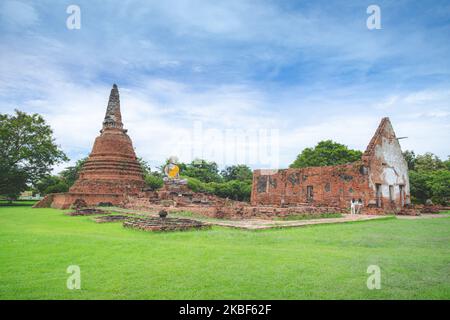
column 154, row 181
column 199, row 186
column 59, row 187
column 236, row 190
column 433, row 185
column 439, row 185
column 202, row 170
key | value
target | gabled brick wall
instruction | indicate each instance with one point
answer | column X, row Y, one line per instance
column 381, row 168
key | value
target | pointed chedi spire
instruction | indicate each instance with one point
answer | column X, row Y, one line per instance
column 113, row 117
column 112, row 171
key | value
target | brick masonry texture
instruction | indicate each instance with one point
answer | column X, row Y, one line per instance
column 174, row 198
column 111, row 172
column 379, row 179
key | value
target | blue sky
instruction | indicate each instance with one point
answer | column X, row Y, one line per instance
column 310, row 70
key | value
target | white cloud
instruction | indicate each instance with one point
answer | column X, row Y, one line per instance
column 161, row 114
column 238, row 65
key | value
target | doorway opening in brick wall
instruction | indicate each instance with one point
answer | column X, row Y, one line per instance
column 402, row 196
column 378, row 194
column 391, row 193
column 309, row 193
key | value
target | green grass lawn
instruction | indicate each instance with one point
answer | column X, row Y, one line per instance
column 323, row 262
column 16, row 203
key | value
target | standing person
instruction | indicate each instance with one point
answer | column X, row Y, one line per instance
column 353, row 207
column 359, row 207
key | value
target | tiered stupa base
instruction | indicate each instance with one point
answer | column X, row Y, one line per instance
column 112, row 171
column 66, row 200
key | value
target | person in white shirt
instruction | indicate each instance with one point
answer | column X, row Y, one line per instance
column 359, row 207
column 353, row 207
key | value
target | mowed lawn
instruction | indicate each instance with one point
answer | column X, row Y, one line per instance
column 317, row 262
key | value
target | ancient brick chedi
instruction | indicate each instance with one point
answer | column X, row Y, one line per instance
column 112, row 171
column 379, row 179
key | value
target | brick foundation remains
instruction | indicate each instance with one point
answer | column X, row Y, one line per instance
column 179, row 198
column 164, row 224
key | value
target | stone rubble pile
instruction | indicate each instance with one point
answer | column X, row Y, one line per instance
column 111, row 218
column 86, row 212
column 164, row 224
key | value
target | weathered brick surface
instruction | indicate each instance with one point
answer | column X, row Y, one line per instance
column 380, row 179
column 331, row 186
column 212, row 206
column 44, row 202
column 66, row 200
column 164, row 224
column 112, row 170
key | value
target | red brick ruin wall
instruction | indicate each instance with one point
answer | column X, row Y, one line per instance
column 213, row 206
column 332, row 186
column 379, row 179
column 66, row 200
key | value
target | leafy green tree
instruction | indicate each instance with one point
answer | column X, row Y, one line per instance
column 62, row 182
column 144, row 165
column 202, row 170
column 239, row 172
column 326, row 153
column 154, row 180
column 410, row 158
column 27, row 151
column 12, row 183
column 59, row 187
column 71, row 174
column 234, row 189
column 439, row 184
column 198, row 186
column 428, row 162
column 447, row 163
column 46, row 182
column 419, row 186
column 430, row 179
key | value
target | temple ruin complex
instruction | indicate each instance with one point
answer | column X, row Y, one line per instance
column 112, row 175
